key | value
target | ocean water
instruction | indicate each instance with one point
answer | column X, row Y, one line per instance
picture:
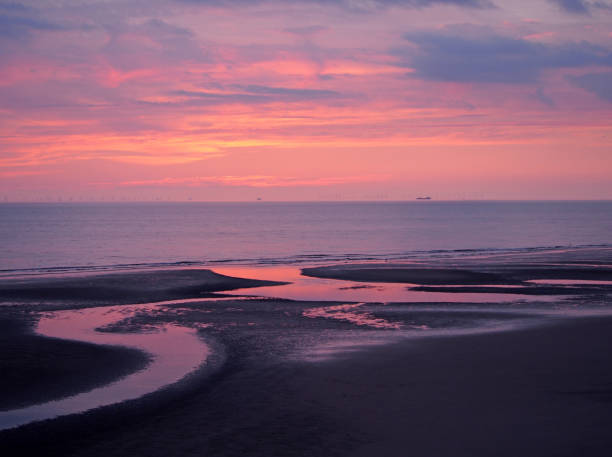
column 124, row 235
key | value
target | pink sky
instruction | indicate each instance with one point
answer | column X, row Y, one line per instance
column 305, row 99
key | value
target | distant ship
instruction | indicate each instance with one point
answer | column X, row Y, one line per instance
column 423, row 198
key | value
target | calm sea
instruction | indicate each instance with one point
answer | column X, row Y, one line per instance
column 115, row 235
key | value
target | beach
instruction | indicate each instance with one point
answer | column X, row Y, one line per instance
column 36, row 369
column 530, row 376
column 543, row 391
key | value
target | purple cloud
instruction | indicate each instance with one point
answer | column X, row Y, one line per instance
column 599, row 84
column 356, row 5
column 485, row 57
column 580, row 6
column 572, row 6
column 19, row 25
column 255, row 94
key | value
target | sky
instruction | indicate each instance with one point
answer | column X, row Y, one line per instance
column 220, row 100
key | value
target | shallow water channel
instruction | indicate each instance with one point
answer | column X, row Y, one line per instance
column 175, row 352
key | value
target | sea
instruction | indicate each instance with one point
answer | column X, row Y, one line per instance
column 113, row 236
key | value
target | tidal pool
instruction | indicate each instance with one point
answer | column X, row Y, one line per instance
column 175, row 352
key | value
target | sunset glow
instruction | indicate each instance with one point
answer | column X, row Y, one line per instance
column 305, row 100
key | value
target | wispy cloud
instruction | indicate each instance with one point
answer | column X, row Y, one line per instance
column 21, row 173
column 572, row 6
column 354, row 5
column 482, row 56
column 252, row 93
column 13, row 7
column 255, row 181
column 287, row 91
column 581, row 7
column 599, row 84
column 542, row 97
column 20, row 26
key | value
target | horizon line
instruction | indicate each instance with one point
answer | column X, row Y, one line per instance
column 415, row 200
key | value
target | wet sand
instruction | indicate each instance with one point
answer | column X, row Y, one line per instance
column 406, row 274
column 541, row 290
column 36, row 369
column 488, row 277
column 118, row 288
column 544, row 391
column 540, row 389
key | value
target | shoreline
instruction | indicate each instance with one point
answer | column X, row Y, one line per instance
column 442, row 256
column 124, row 288
column 38, row 369
column 378, row 390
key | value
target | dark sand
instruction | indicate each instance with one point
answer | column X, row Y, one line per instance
column 36, row 369
column 527, row 290
column 545, row 391
column 538, row 392
column 138, row 287
column 477, row 278
column 404, row 274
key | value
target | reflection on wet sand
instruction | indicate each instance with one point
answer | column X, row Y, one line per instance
column 350, row 313
column 307, row 288
column 175, row 351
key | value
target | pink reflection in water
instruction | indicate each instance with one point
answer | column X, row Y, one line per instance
column 320, row 289
column 176, row 351
column 350, row 313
